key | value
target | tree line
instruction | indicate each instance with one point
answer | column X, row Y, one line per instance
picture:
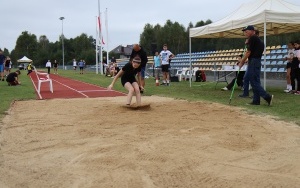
column 41, row 50
column 174, row 34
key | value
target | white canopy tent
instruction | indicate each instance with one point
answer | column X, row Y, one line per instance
column 270, row 17
column 24, row 60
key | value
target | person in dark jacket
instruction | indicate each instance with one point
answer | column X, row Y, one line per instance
column 139, row 50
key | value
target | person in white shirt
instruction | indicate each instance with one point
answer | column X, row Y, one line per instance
column 74, row 64
column 48, row 66
column 165, row 56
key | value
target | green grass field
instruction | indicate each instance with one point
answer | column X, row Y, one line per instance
column 285, row 106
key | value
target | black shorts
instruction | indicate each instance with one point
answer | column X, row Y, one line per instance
column 165, row 68
column 80, row 68
column 288, row 65
column 125, row 80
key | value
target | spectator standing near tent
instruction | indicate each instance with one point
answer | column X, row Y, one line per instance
column 255, row 48
column 165, row 56
column 246, row 85
column 48, row 66
column 139, row 50
column 2, row 59
column 295, row 68
column 289, row 59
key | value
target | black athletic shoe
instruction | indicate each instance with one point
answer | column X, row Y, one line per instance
column 270, row 99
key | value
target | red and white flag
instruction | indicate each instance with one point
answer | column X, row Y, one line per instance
column 99, row 27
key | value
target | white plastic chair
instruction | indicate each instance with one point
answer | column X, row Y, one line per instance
column 42, row 78
column 181, row 74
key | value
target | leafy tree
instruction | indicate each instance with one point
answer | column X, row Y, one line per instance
column 147, row 38
column 26, row 45
column 5, row 52
column 175, row 35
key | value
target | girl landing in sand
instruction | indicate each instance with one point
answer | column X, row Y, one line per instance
column 127, row 74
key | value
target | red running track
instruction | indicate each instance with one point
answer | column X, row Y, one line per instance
column 67, row 88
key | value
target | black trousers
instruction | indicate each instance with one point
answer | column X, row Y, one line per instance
column 295, row 75
column 48, row 70
column 239, row 81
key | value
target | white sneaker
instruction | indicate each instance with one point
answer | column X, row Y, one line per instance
column 224, row 89
column 287, row 90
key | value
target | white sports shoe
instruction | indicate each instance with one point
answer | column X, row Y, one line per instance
column 287, row 90
column 224, row 89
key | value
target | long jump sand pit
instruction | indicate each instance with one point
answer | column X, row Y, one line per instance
column 98, row 143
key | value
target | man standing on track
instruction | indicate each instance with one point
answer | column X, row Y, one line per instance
column 255, row 48
column 55, row 65
column 48, row 66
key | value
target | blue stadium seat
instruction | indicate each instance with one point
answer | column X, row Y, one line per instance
column 281, row 70
column 280, row 63
column 274, row 70
column 284, row 51
column 273, row 63
column 279, row 57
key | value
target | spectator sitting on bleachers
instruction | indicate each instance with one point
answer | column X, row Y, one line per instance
column 112, row 69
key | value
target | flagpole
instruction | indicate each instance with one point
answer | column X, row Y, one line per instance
column 100, row 34
column 96, row 45
column 106, row 27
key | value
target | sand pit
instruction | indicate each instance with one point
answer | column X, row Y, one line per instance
column 98, row 143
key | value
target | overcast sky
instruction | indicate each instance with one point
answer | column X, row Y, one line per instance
column 126, row 18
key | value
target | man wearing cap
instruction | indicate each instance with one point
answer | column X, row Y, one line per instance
column 139, row 50
column 255, row 48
